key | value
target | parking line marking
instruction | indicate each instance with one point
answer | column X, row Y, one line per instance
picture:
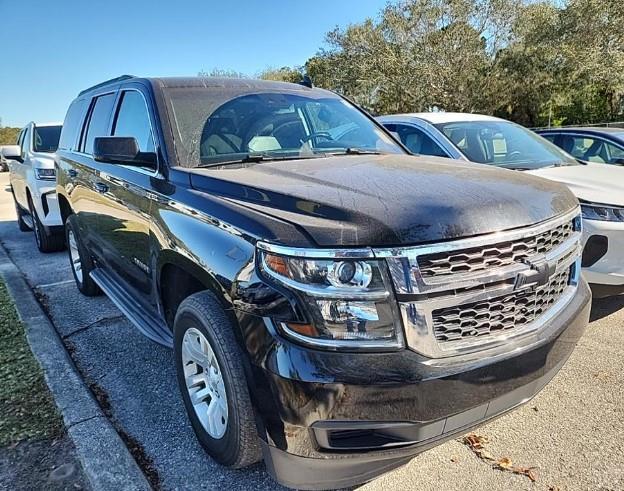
column 58, row 283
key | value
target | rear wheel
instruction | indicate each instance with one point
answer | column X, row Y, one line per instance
column 211, row 377
column 80, row 259
column 46, row 241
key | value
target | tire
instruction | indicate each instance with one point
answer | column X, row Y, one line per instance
column 237, row 444
column 21, row 224
column 79, row 259
column 46, row 242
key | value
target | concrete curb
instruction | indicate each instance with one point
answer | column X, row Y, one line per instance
column 105, row 458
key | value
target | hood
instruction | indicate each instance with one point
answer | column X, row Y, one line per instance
column 598, row 183
column 44, row 160
column 387, row 200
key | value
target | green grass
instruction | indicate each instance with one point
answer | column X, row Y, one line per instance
column 27, row 410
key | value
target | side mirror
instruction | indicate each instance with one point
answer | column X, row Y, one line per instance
column 12, row 152
column 121, row 150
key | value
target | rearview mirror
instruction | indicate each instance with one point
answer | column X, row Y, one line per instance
column 12, row 152
column 121, row 150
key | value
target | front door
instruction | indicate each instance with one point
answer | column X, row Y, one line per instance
column 124, row 221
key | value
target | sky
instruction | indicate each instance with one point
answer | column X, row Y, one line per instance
column 51, row 50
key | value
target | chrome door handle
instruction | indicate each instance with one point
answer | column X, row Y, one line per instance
column 101, row 188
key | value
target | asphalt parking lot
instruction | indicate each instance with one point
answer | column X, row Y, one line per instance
column 572, row 433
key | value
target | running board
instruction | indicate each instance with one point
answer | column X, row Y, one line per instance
column 150, row 326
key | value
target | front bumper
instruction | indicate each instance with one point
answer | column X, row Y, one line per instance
column 46, row 204
column 605, row 269
column 340, row 419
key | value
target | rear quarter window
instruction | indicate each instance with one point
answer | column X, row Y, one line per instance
column 71, row 126
column 99, row 120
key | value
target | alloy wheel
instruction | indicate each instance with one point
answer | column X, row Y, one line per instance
column 204, row 383
column 74, row 254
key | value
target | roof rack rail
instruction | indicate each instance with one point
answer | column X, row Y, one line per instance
column 102, row 84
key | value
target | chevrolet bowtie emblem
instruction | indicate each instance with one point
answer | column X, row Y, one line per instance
column 539, row 274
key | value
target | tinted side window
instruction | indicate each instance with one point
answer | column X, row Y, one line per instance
column 98, row 122
column 72, row 125
column 418, row 142
column 133, row 120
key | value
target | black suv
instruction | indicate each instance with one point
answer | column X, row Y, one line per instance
column 335, row 305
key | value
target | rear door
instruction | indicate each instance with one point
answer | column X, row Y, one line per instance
column 87, row 200
column 124, row 219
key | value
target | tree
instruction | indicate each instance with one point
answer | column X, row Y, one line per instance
column 8, row 135
column 222, row 73
column 418, row 55
column 532, row 61
column 283, row 74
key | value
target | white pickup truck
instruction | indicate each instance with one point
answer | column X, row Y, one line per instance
column 33, row 183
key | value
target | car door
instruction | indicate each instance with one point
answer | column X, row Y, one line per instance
column 19, row 169
column 124, row 220
column 87, row 201
column 417, row 140
column 14, row 168
column 591, row 148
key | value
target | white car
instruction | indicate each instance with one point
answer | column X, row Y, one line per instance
column 495, row 141
column 33, row 184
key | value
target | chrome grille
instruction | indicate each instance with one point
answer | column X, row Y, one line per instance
column 498, row 314
column 467, row 295
column 495, row 255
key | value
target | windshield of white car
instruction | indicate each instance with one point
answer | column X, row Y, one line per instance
column 504, row 144
column 216, row 127
column 46, row 138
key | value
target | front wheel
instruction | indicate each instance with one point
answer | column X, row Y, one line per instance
column 46, row 241
column 209, row 365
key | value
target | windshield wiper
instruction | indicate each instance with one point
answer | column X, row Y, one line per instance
column 356, row 151
column 254, row 158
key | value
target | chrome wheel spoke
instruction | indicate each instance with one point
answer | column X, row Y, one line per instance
column 74, row 255
column 199, row 396
column 194, row 353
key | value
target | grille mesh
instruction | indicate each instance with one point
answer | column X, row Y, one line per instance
column 494, row 255
column 498, row 314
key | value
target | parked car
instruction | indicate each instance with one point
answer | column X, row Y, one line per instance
column 599, row 145
column 334, row 304
column 4, row 165
column 33, row 184
column 494, row 141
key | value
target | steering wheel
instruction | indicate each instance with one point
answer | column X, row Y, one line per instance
column 318, row 134
column 515, row 153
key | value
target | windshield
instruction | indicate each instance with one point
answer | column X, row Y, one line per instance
column 215, row 126
column 504, row 144
column 46, row 138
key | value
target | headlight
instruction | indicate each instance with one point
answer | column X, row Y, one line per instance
column 602, row 212
column 347, row 300
column 45, row 174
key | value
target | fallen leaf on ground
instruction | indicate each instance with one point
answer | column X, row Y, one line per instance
column 476, row 444
column 475, row 441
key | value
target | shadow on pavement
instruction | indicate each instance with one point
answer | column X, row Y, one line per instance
column 603, row 307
